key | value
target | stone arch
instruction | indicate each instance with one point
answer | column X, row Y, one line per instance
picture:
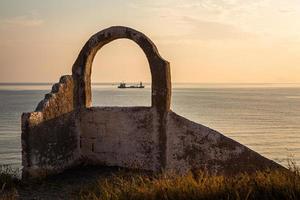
column 58, row 135
column 160, row 68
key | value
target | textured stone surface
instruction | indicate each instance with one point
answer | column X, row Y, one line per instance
column 49, row 137
column 160, row 71
column 52, row 146
column 192, row 146
column 160, row 68
column 120, row 136
column 59, row 100
column 65, row 131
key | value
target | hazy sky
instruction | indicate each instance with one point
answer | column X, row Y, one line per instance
column 204, row 40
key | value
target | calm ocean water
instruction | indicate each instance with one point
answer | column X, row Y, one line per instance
column 264, row 117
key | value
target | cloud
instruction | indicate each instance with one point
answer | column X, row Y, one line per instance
column 21, row 21
column 286, row 10
column 196, row 29
column 204, row 29
column 220, row 5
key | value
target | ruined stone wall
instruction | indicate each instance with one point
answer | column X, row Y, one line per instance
column 59, row 100
column 49, row 134
column 120, row 136
column 52, row 146
column 192, row 146
column 63, row 131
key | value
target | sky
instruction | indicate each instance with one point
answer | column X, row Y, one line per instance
column 205, row 41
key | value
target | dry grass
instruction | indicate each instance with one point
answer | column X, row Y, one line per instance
column 126, row 185
column 260, row 185
column 8, row 181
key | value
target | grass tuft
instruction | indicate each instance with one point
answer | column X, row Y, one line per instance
column 8, row 181
column 260, row 185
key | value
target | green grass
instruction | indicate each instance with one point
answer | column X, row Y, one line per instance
column 260, row 185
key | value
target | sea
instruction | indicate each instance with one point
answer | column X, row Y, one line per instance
column 264, row 117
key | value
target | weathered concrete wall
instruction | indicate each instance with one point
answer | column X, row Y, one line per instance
column 63, row 131
column 192, row 146
column 49, row 135
column 59, row 100
column 120, row 136
column 128, row 137
column 51, row 146
column 160, row 74
column 159, row 67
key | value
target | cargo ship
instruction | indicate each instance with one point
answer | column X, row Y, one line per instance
column 123, row 85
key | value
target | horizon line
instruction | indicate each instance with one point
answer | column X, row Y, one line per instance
column 114, row 82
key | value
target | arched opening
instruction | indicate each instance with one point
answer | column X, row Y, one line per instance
column 121, row 61
column 160, row 68
column 126, row 123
